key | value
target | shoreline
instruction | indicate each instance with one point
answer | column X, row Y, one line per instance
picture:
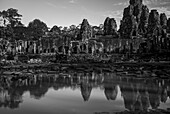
column 102, row 65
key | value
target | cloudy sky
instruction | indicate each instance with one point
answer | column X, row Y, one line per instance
column 68, row 12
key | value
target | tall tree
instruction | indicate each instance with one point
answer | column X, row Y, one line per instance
column 73, row 31
column 55, row 29
column 37, row 28
column 10, row 17
column 6, row 32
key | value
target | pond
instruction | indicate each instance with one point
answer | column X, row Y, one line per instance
column 77, row 92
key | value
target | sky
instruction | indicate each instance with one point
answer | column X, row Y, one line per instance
column 72, row 12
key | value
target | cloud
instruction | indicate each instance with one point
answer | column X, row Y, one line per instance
column 55, row 6
column 50, row 4
column 148, row 2
column 165, row 10
column 162, row 6
column 121, row 4
column 156, row 2
column 72, row 1
column 165, row 3
column 118, row 14
column 114, row 14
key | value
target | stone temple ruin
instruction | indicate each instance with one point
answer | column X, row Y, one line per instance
column 141, row 31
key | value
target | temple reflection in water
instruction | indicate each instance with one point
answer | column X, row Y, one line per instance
column 137, row 93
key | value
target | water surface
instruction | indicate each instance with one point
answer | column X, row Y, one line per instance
column 77, row 92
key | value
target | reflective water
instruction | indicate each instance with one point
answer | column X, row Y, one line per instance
column 42, row 91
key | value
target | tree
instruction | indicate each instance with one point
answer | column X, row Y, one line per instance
column 37, row 28
column 64, row 30
column 55, row 29
column 11, row 16
column 10, row 19
column 6, row 32
column 73, row 31
column 21, row 32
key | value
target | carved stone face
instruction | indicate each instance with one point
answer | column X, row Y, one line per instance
column 154, row 17
column 135, row 2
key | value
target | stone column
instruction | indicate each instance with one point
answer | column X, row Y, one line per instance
column 48, row 50
column 87, row 48
column 34, row 47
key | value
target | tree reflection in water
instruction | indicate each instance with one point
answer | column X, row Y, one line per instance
column 139, row 94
